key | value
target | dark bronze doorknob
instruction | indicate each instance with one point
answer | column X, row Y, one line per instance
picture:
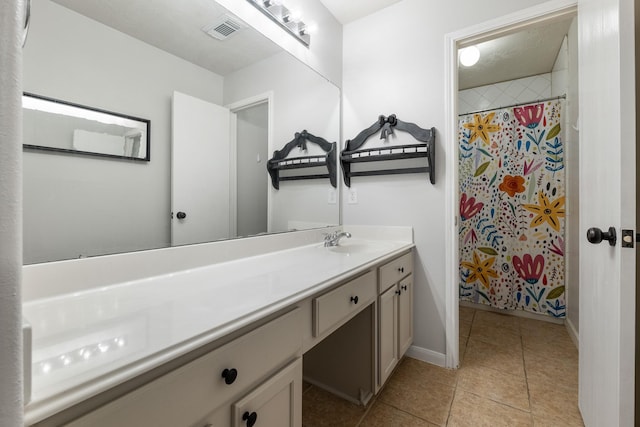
column 181, row 215
column 595, row 235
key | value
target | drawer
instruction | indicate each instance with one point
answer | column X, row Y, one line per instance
column 340, row 304
column 277, row 402
column 394, row 270
column 185, row 395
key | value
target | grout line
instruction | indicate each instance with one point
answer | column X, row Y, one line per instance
column 526, row 376
column 411, row 414
column 374, row 400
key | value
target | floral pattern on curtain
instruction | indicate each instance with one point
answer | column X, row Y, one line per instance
column 512, row 208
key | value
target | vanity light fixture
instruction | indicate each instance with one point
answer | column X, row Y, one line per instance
column 469, row 56
column 289, row 20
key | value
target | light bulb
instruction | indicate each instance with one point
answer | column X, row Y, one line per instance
column 469, row 56
column 310, row 28
column 295, row 15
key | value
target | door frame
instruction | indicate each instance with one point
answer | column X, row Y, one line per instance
column 262, row 98
column 554, row 9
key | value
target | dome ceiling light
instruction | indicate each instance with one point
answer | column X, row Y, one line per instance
column 469, row 56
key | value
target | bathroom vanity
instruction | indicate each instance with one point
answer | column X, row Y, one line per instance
column 222, row 344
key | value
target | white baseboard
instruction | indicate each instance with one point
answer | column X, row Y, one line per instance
column 426, row 355
column 516, row 313
column 575, row 337
column 364, row 397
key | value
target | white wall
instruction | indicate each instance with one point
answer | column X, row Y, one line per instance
column 78, row 205
column 303, row 100
column 394, row 63
column 325, row 51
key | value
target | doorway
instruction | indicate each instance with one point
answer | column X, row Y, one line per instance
column 502, row 27
column 250, row 195
column 251, row 169
column 518, row 151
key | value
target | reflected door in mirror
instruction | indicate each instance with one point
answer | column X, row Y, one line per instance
column 201, row 133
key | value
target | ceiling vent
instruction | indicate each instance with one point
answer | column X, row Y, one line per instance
column 224, row 27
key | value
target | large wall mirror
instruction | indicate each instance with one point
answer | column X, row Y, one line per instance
column 173, row 64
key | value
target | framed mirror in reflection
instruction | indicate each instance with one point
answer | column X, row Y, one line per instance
column 59, row 126
column 111, row 56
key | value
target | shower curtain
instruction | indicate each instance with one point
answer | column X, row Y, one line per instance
column 512, row 208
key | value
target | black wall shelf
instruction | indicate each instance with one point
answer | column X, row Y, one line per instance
column 386, row 125
column 280, row 162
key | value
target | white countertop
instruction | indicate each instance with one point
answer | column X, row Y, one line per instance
column 89, row 341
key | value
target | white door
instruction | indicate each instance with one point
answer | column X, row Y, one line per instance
column 201, row 133
column 607, row 198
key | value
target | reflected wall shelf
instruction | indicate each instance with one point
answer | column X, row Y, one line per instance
column 280, row 162
column 353, row 153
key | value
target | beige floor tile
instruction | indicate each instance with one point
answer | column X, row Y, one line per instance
column 411, row 369
column 510, row 368
column 558, row 346
column 551, row 370
column 462, row 347
column 496, row 385
column 555, row 403
column 419, row 397
column 382, row 415
column 540, row 327
column 497, row 321
column 495, row 335
column 466, row 314
column 505, row 358
column 547, row 422
column 475, row 411
column 321, row 408
column 465, row 328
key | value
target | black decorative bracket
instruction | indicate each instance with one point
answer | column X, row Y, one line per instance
column 386, row 125
column 279, row 161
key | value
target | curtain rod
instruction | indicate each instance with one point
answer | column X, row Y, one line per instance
column 516, row 105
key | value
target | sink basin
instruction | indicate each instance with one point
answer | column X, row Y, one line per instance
column 349, row 247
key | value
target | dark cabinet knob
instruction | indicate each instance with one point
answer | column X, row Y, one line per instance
column 404, row 287
column 229, row 375
column 595, row 235
column 250, row 418
column 181, row 215
column 354, row 299
column 401, row 269
column 398, row 292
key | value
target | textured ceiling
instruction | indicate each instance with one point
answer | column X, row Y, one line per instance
column 346, row 11
column 176, row 27
column 522, row 54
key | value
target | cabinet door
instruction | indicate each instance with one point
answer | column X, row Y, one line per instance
column 277, row 402
column 387, row 333
column 405, row 315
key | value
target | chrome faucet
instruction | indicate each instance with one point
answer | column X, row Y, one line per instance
column 333, row 239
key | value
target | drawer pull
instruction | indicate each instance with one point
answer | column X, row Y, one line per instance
column 229, row 375
column 354, row 299
column 401, row 269
column 250, row 418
